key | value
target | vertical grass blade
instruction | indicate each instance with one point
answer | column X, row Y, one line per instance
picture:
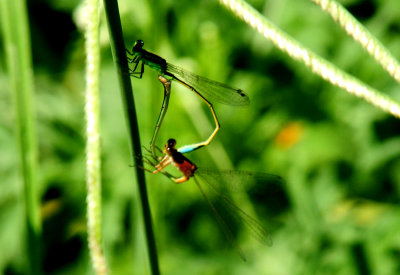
column 19, row 64
column 120, row 61
column 93, row 178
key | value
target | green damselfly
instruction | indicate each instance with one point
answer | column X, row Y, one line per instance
column 205, row 88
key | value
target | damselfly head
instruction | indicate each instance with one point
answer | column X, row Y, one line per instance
column 138, row 45
column 171, row 143
column 170, row 146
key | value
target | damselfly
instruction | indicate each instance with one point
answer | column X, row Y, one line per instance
column 205, row 88
column 215, row 184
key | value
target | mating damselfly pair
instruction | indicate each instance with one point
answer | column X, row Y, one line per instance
column 211, row 183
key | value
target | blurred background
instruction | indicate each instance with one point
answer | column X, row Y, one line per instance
column 337, row 211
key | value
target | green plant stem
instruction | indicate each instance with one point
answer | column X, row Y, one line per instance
column 360, row 34
column 121, row 64
column 317, row 64
column 19, row 63
column 93, row 178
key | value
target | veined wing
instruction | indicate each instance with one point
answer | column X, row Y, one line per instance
column 210, row 89
column 235, row 180
column 221, row 221
column 256, row 229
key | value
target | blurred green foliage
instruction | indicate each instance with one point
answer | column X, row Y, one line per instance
column 337, row 212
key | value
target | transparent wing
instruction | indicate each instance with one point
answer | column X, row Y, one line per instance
column 213, row 188
column 236, row 181
column 210, row 89
column 221, row 221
